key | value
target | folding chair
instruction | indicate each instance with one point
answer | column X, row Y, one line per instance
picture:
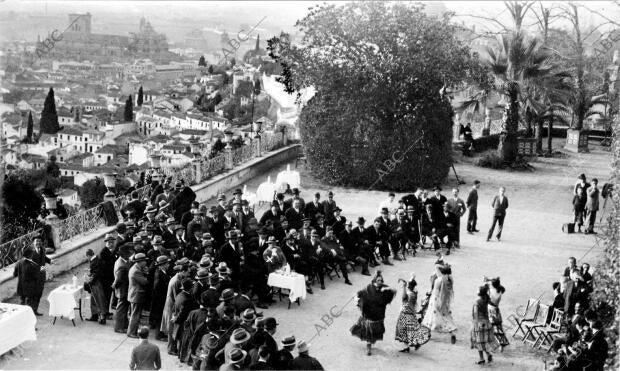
column 541, row 320
column 545, row 334
column 529, row 314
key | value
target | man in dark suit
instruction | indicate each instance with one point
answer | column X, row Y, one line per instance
column 135, row 207
column 136, row 295
column 39, row 257
column 107, row 257
column 295, row 215
column 231, row 254
column 184, row 303
column 121, row 288
column 450, row 222
column 329, row 206
column 598, row 349
column 222, row 206
column 472, row 205
column 279, row 201
column 166, row 196
column 160, row 290
column 145, row 356
column 27, row 273
column 499, row 205
column 99, row 301
column 365, row 249
column 189, row 215
column 338, row 221
column 399, row 227
column 437, row 200
column 314, row 207
column 377, row 236
column 304, row 361
column 284, row 355
column 269, row 342
column 273, row 215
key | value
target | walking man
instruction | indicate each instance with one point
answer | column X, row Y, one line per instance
column 499, row 205
column 472, row 205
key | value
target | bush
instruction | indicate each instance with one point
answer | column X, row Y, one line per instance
column 491, row 160
column 482, row 144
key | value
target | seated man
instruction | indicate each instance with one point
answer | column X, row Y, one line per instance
column 352, row 250
column 332, row 254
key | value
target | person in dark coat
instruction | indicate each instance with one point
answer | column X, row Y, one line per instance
column 194, row 319
column 372, row 302
column 39, row 257
column 160, row 290
column 231, row 254
column 314, row 207
column 303, row 361
column 27, row 273
column 284, row 356
column 184, row 303
column 135, row 207
column 295, row 215
column 352, row 249
column 121, row 288
column 329, row 206
column 437, row 200
column 136, row 295
column 99, row 300
column 107, row 256
column 377, row 236
column 472, row 206
column 499, row 205
column 273, row 215
column 145, row 356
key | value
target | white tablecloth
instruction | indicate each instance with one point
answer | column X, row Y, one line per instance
column 296, row 283
column 64, row 299
column 16, row 326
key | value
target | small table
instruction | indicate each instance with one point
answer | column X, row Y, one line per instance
column 295, row 283
column 17, row 325
column 64, row 301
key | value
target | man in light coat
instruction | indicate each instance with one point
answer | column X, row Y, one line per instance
column 138, row 284
column 121, row 287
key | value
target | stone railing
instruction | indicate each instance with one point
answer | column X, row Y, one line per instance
column 11, row 251
column 193, row 173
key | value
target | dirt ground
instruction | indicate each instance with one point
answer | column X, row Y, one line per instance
column 531, row 256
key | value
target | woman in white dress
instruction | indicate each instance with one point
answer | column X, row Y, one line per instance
column 439, row 313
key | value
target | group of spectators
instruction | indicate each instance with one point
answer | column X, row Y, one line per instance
column 582, row 343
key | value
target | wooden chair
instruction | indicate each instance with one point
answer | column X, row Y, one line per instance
column 541, row 320
column 545, row 334
column 528, row 315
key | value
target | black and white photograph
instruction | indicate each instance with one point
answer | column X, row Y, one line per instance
column 309, row 185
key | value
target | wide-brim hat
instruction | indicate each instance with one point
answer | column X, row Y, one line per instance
column 337, row 209
column 109, row 237
column 239, row 336
column 248, row 315
column 288, row 341
column 302, row 347
column 139, row 257
column 205, row 263
column 203, row 273
column 183, row 261
column 236, row 355
column 222, row 268
column 161, row 260
column 227, row 294
column 296, row 191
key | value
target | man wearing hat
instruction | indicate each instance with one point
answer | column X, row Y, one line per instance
column 314, row 207
column 39, row 257
column 134, row 206
column 107, row 257
column 195, row 319
column 166, row 196
column 303, row 361
column 226, row 300
column 211, row 296
column 184, row 303
column 352, row 250
column 332, row 254
column 366, row 249
column 238, row 216
column 263, row 359
column 311, row 252
column 231, row 254
column 271, row 343
column 329, row 206
column 236, row 360
column 222, row 206
column 99, row 300
column 273, row 255
column 160, row 289
column 189, row 215
column 398, row 240
column 27, row 273
column 197, row 221
column 248, row 318
column 121, row 288
column 149, row 215
column 138, row 286
column 200, row 283
column 174, row 287
column 237, row 198
column 224, row 272
column 279, row 202
column 319, row 224
column 338, row 221
column 472, row 205
column 283, row 357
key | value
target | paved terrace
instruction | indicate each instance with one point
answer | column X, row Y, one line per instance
column 530, row 257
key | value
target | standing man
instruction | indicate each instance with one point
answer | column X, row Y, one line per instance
column 121, row 287
column 138, row 284
column 328, row 208
column 314, row 207
column 457, row 207
column 472, row 205
column 145, row 356
column 160, row 292
column 27, row 273
column 499, row 205
column 39, row 257
column 592, row 205
column 98, row 298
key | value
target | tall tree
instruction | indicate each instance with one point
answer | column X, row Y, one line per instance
column 128, row 115
column 518, row 61
column 379, row 71
column 210, row 70
column 202, row 62
column 29, row 128
column 140, row 97
column 49, row 116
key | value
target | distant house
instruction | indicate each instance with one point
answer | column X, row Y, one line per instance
column 107, row 153
column 65, row 117
column 171, row 149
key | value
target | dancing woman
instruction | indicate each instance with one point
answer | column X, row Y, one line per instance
column 408, row 329
column 496, row 290
column 482, row 337
column 438, row 316
column 372, row 302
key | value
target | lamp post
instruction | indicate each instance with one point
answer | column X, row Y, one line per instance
column 256, row 127
column 155, row 159
column 109, row 180
column 228, row 138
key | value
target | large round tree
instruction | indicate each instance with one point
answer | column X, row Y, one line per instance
column 380, row 116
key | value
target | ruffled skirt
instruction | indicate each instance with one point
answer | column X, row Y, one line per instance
column 409, row 331
column 482, row 337
column 367, row 330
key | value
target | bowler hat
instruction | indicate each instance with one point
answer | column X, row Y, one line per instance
column 361, row 220
column 296, row 191
column 270, row 323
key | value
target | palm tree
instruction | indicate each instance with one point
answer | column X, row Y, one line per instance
column 517, row 61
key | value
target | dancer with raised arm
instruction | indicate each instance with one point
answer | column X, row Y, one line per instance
column 372, row 302
column 438, row 316
column 482, row 337
column 496, row 290
column 408, row 329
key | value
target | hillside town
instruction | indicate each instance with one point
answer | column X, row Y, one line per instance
column 117, row 103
